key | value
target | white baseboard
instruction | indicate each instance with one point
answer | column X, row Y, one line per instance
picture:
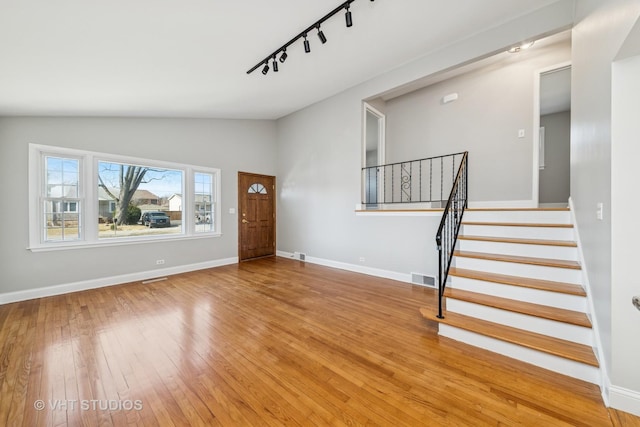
column 552, row 205
column 377, row 272
column 504, row 204
column 624, row 399
column 9, row 297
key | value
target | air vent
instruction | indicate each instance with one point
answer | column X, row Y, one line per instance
column 299, row 255
column 423, row 280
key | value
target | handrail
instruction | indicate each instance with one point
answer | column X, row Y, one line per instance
column 450, row 226
column 417, row 160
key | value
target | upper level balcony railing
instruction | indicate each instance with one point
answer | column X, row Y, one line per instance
column 426, row 180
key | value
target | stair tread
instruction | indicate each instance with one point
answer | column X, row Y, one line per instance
column 526, row 282
column 517, row 224
column 542, row 311
column 566, row 243
column 550, row 345
column 545, row 262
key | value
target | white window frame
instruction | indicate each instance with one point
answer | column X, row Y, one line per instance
column 89, row 198
column 215, row 202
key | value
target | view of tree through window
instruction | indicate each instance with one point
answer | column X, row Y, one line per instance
column 134, row 200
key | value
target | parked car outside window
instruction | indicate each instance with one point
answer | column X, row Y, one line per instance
column 155, row 219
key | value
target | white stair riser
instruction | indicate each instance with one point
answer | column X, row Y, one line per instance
column 543, row 217
column 553, row 363
column 536, row 251
column 548, row 233
column 564, row 331
column 522, row 270
column 535, row 296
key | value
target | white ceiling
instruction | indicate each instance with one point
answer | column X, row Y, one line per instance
column 188, row 58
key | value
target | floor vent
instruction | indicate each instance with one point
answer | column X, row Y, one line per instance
column 299, row 255
column 423, row 279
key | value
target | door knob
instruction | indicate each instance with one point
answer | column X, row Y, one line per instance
column 244, row 221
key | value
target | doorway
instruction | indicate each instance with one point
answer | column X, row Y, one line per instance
column 554, row 138
column 374, row 155
column 257, row 216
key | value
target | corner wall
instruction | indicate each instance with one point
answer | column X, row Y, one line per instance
column 494, row 102
column 230, row 145
column 319, row 161
column 600, row 31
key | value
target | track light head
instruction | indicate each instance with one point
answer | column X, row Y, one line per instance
column 307, row 47
column 321, row 35
column 270, row 62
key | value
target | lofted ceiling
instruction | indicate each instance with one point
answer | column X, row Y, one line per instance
column 188, row 58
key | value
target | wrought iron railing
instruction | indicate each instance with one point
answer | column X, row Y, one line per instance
column 447, row 234
column 415, row 181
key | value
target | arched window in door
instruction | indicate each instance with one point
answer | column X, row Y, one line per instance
column 257, row 189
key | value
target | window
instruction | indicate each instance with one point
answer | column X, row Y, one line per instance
column 130, row 195
column 203, row 199
column 257, row 188
column 61, row 191
column 80, row 198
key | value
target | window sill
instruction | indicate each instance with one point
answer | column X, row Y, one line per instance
column 110, row 243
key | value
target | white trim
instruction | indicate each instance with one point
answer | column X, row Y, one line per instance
column 624, row 399
column 89, row 161
column 505, row 204
column 535, row 181
column 541, row 152
column 604, row 376
column 553, row 205
column 9, row 297
column 377, row 272
column 382, row 131
column 121, row 242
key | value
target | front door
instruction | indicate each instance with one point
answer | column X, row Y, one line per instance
column 257, row 216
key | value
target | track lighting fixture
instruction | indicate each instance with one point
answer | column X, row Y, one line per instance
column 321, row 35
column 347, row 17
column 282, row 51
column 307, row 48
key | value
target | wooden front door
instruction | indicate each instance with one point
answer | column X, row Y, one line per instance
column 257, row 216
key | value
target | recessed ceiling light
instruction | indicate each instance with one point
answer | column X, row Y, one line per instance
column 522, row 46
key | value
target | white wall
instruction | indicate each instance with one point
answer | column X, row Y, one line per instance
column 494, row 102
column 319, row 161
column 226, row 144
column 600, row 30
column 555, row 177
column 625, row 205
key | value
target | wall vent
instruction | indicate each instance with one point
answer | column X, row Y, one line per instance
column 299, row 255
column 423, row 280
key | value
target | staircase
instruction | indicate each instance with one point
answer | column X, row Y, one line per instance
column 515, row 288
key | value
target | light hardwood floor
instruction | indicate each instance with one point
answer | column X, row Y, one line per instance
column 266, row 343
